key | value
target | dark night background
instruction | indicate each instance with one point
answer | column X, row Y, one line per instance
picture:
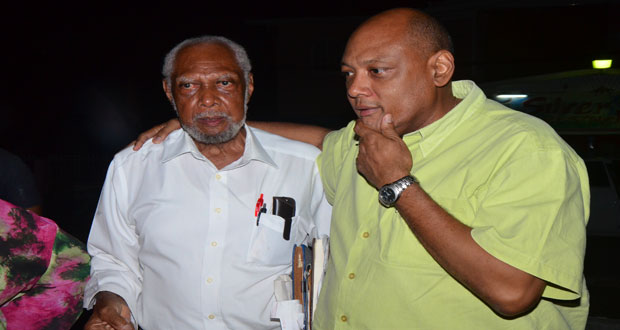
column 82, row 80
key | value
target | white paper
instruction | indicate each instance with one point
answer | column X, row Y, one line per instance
column 283, row 287
column 290, row 314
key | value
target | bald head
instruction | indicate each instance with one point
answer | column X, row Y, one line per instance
column 413, row 27
column 399, row 63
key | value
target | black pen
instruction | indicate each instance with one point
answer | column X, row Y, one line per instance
column 261, row 211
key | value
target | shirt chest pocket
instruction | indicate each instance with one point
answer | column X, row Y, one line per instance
column 267, row 244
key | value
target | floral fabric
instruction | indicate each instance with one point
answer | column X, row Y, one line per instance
column 43, row 271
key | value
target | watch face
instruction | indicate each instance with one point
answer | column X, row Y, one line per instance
column 387, row 195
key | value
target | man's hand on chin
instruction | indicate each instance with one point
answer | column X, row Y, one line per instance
column 383, row 156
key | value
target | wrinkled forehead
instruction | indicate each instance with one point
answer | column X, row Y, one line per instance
column 211, row 56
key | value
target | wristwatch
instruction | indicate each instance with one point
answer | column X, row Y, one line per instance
column 388, row 194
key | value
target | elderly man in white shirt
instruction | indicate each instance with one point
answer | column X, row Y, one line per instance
column 180, row 239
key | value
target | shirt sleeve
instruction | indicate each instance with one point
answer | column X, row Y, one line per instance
column 533, row 216
column 322, row 210
column 335, row 147
column 113, row 244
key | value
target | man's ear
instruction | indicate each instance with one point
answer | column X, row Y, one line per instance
column 250, row 83
column 167, row 89
column 442, row 65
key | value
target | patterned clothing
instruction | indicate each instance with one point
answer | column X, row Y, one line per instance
column 43, row 271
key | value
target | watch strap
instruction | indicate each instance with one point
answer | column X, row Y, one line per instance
column 398, row 187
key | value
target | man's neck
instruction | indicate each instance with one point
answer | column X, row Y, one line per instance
column 222, row 154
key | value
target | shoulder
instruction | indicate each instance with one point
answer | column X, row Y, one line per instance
column 492, row 121
column 9, row 160
column 516, row 124
column 515, row 129
column 149, row 151
column 13, row 168
column 278, row 145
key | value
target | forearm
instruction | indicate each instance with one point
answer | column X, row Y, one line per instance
column 305, row 133
column 508, row 290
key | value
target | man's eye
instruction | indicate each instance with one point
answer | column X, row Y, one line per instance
column 377, row 70
column 346, row 74
column 225, row 82
column 186, row 85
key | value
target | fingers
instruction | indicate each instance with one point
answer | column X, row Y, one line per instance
column 158, row 133
column 387, row 127
column 382, row 155
column 110, row 312
column 169, row 127
column 120, row 323
column 361, row 129
column 111, row 322
column 145, row 136
column 95, row 323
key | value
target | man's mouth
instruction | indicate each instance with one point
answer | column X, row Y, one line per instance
column 211, row 121
column 366, row 111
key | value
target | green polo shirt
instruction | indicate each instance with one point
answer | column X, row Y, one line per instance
column 505, row 174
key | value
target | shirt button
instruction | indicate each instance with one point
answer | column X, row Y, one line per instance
column 213, row 244
column 217, row 176
column 209, row 280
column 351, row 275
column 343, row 318
column 211, row 316
column 365, row 234
column 218, row 210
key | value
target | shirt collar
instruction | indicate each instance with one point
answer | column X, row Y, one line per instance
column 254, row 150
column 175, row 147
column 432, row 135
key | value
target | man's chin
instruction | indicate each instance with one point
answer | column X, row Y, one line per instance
column 213, row 137
column 372, row 122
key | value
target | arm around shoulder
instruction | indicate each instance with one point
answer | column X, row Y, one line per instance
column 305, row 133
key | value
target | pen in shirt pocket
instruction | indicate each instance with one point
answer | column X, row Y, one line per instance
column 261, row 207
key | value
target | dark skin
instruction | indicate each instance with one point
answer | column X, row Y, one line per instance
column 396, row 84
column 206, row 80
column 110, row 312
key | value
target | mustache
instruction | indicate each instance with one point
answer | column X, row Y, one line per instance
column 212, row 114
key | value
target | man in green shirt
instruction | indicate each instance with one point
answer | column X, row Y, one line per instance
column 449, row 209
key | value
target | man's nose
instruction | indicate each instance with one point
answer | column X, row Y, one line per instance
column 358, row 85
column 208, row 96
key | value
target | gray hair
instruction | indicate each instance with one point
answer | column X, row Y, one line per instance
column 240, row 55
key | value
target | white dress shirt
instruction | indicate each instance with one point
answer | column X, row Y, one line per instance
column 178, row 240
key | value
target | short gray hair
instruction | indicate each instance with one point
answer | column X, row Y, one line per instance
column 240, row 55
